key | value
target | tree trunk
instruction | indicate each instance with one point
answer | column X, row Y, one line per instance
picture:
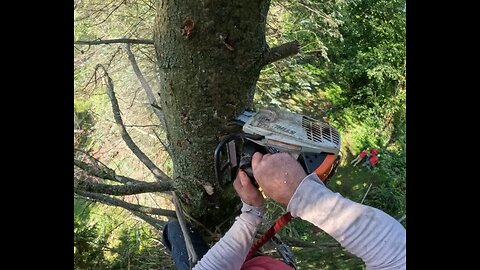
column 209, row 56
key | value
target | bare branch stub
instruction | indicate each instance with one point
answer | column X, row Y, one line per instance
column 280, row 52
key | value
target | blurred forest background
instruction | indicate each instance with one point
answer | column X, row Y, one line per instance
column 350, row 72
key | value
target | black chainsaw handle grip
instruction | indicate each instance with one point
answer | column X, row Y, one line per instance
column 247, row 168
column 249, row 148
column 219, row 168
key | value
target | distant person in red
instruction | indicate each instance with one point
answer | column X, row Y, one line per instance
column 359, row 158
column 372, row 161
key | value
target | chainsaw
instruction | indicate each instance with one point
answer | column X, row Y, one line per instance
column 314, row 144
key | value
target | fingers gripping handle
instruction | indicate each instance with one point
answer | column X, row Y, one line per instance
column 246, row 166
column 249, row 148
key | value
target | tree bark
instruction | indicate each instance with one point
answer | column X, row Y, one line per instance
column 209, row 54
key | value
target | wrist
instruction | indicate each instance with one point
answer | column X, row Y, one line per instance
column 311, row 181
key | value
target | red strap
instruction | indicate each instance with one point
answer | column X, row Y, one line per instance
column 280, row 223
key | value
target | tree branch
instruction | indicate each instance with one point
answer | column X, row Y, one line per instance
column 192, row 255
column 129, row 181
column 129, row 206
column 110, row 174
column 105, row 174
column 94, row 160
column 280, row 52
column 112, row 41
column 159, row 175
column 141, row 78
column 110, row 13
column 164, row 145
column 144, row 83
column 119, row 190
column 142, row 125
column 157, row 224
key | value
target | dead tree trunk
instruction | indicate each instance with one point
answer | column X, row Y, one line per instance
column 209, row 54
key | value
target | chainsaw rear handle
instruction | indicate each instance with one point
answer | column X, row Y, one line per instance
column 250, row 148
column 245, row 158
column 323, row 164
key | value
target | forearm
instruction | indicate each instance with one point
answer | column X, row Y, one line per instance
column 231, row 250
column 375, row 237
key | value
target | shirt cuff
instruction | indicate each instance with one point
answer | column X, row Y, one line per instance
column 257, row 211
column 303, row 187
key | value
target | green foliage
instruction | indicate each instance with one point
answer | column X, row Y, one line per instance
column 369, row 64
column 295, row 83
column 87, row 243
column 87, row 248
column 309, row 22
column 368, row 97
column 296, row 86
column 390, row 196
column 83, row 123
column 109, row 238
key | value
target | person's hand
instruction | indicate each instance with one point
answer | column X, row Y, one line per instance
column 246, row 191
column 278, row 175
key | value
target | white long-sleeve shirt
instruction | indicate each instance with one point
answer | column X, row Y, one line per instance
column 377, row 238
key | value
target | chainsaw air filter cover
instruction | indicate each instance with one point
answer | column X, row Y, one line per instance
column 293, row 132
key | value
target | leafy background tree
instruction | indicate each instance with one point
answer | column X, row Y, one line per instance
column 350, row 71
